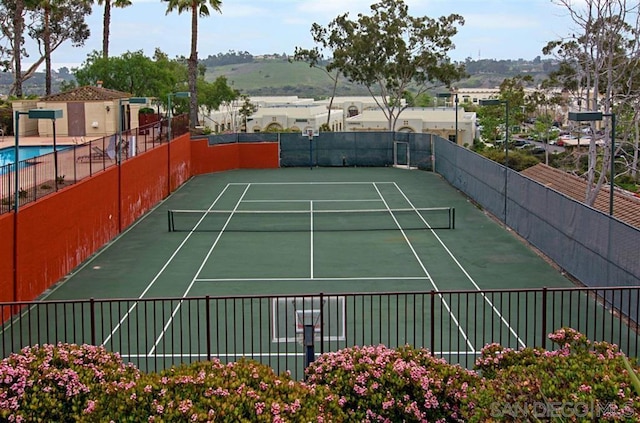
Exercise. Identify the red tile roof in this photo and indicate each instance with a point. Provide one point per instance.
(626, 206)
(87, 93)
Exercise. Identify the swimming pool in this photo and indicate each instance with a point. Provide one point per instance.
(8, 154)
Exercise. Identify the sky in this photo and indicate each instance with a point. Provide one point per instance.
(493, 29)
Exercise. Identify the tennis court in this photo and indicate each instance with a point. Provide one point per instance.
(239, 263)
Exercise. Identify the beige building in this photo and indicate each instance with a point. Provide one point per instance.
(87, 112)
(344, 114)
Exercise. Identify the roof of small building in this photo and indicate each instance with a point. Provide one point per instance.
(87, 93)
(626, 206)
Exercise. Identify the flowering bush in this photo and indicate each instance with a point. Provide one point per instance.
(580, 381)
(213, 391)
(55, 382)
(404, 385)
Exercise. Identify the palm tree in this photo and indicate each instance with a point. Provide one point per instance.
(198, 8)
(106, 21)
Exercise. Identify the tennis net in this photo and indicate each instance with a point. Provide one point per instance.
(310, 220)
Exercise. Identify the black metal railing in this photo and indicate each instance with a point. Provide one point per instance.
(43, 175)
(159, 332)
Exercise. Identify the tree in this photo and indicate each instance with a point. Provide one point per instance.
(315, 59)
(512, 89)
(215, 94)
(600, 64)
(197, 8)
(246, 110)
(133, 73)
(391, 52)
(13, 27)
(106, 21)
(53, 23)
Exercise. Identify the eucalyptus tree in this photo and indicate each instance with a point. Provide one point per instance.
(197, 8)
(600, 63)
(391, 52)
(52, 23)
(12, 19)
(316, 59)
(106, 20)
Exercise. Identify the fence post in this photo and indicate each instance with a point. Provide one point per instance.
(432, 341)
(207, 325)
(92, 320)
(544, 316)
(322, 323)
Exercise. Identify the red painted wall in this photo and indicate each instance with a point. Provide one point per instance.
(60, 231)
(6, 257)
(217, 158)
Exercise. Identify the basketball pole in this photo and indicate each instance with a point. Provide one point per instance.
(310, 150)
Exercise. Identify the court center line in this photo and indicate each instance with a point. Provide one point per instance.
(204, 261)
(424, 269)
(161, 271)
(464, 271)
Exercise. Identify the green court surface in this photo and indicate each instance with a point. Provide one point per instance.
(290, 256)
(354, 254)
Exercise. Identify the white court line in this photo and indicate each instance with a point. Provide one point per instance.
(362, 278)
(311, 236)
(262, 354)
(506, 323)
(376, 200)
(424, 269)
(204, 261)
(160, 272)
(313, 183)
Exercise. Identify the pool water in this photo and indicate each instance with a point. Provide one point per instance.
(8, 154)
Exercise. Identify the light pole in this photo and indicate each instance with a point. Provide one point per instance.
(120, 144)
(495, 102)
(597, 116)
(32, 114)
(453, 94)
(180, 94)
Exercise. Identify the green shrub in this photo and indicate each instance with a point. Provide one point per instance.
(213, 391)
(580, 381)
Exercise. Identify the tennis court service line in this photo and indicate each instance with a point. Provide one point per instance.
(424, 269)
(204, 261)
(250, 354)
(464, 271)
(311, 279)
(160, 272)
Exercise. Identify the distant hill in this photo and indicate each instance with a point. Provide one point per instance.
(275, 75)
(265, 77)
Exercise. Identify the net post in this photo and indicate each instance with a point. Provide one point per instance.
(170, 220)
(452, 212)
